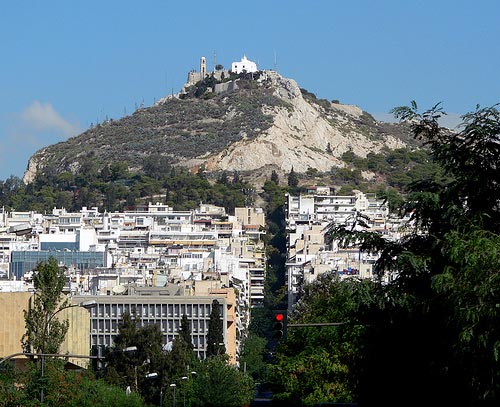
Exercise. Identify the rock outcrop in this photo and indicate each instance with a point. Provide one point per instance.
(268, 122)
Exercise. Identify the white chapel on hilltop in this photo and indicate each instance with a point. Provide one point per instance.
(245, 65)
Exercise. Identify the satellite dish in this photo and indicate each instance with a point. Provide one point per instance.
(119, 289)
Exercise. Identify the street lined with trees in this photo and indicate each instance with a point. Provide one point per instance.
(431, 335)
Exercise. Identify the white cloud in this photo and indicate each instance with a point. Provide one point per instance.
(42, 116)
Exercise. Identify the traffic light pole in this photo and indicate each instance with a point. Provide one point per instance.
(316, 324)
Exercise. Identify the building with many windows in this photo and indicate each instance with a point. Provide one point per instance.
(309, 254)
(155, 262)
(165, 307)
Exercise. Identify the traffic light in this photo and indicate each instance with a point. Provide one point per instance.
(279, 325)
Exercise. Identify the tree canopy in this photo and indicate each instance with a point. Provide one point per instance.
(429, 328)
(44, 332)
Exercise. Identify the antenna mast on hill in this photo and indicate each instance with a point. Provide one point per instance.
(215, 60)
(275, 63)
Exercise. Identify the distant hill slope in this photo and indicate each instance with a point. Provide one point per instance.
(263, 122)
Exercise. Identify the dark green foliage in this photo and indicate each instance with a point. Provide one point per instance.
(64, 388)
(175, 186)
(129, 368)
(275, 178)
(293, 179)
(218, 384)
(253, 357)
(434, 332)
(318, 364)
(215, 335)
(182, 354)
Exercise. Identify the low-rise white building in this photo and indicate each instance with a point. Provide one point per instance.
(245, 65)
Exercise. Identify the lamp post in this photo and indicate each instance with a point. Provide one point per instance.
(218, 347)
(173, 385)
(184, 378)
(154, 375)
(46, 331)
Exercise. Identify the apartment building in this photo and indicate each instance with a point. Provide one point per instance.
(153, 260)
(309, 215)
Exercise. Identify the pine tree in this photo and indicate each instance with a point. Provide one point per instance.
(215, 335)
(293, 179)
(182, 354)
(275, 178)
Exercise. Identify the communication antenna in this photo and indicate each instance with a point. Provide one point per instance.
(215, 60)
(275, 62)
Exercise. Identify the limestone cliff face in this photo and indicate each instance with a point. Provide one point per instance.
(307, 136)
(268, 122)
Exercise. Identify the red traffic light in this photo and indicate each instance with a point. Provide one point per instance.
(279, 317)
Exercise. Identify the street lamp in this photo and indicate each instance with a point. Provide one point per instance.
(154, 375)
(46, 331)
(184, 378)
(174, 386)
(84, 304)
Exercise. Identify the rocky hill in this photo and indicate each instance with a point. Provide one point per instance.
(257, 123)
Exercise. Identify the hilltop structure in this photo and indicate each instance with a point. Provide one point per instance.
(245, 65)
(254, 122)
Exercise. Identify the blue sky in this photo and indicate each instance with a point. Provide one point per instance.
(67, 64)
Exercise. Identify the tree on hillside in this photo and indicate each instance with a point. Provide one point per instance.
(44, 332)
(274, 177)
(293, 179)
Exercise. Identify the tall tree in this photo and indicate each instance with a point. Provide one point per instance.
(215, 335)
(125, 367)
(434, 333)
(293, 179)
(274, 177)
(44, 332)
(182, 354)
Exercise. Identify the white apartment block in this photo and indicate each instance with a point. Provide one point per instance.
(109, 255)
(309, 215)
